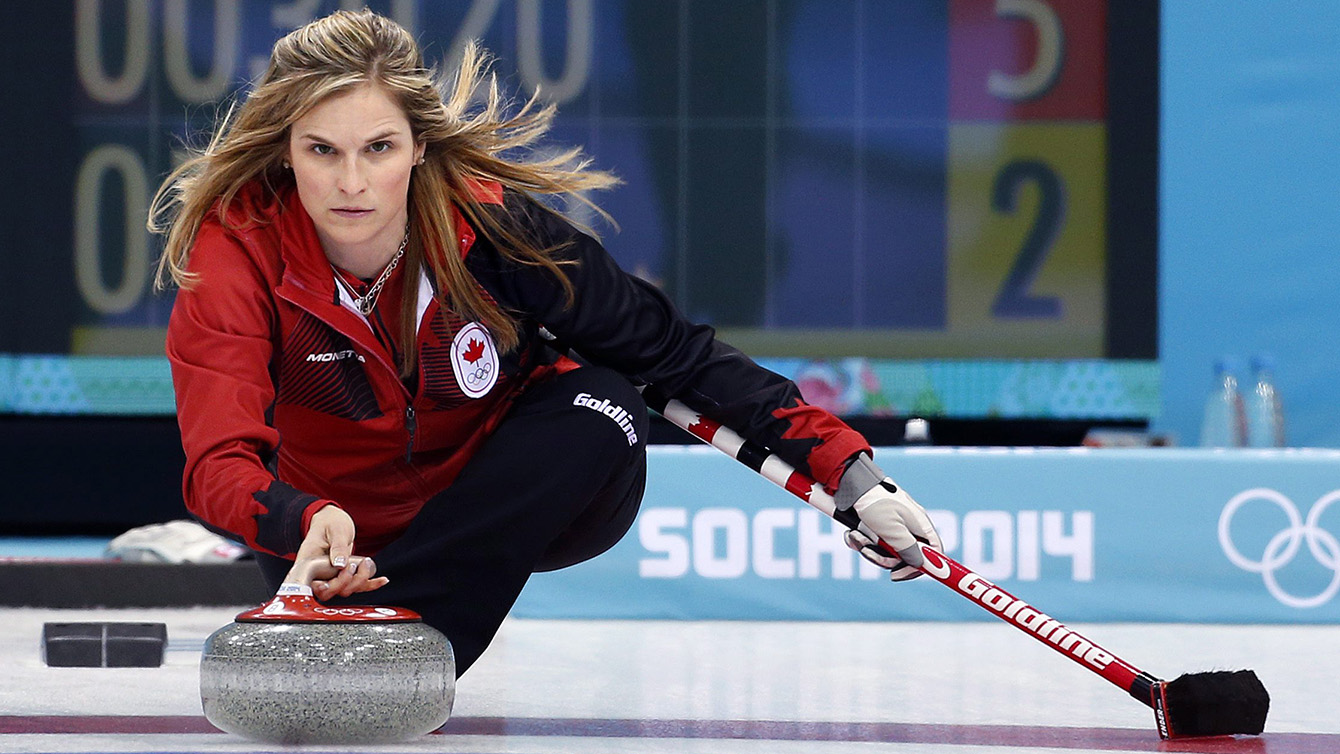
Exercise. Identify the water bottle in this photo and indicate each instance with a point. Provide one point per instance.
(1265, 417)
(1224, 424)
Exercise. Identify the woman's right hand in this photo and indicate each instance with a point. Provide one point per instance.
(325, 558)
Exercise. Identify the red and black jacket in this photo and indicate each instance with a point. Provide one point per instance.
(287, 401)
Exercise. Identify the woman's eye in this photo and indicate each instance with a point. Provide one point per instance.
(379, 146)
(322, 148)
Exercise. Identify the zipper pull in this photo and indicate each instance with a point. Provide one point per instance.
(411, 423)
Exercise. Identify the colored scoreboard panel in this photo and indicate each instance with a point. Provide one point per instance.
(1026, 207)
(947, 179)
(992, 194)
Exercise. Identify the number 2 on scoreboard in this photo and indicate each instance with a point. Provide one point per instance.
(1014, 299)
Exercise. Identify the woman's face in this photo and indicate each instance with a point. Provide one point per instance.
(352, 156)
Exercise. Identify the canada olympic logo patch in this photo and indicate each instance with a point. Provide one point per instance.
(474, 358)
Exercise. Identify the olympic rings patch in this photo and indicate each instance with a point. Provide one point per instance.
(474, 359)
(347, 612)
(1285, 545)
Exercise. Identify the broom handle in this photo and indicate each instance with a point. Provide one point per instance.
(938, 566)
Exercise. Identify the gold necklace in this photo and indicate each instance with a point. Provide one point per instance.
(368, 302)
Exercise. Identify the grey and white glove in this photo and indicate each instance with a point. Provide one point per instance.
(887, 513)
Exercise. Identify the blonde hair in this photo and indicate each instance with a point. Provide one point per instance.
(464, 144)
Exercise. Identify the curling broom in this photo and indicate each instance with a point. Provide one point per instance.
(1214, 703)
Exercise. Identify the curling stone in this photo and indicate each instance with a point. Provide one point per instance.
(294, 671)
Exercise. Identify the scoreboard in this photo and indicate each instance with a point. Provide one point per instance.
(819, 179)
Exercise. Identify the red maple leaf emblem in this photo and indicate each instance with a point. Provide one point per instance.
(703, 428)
(473, 352)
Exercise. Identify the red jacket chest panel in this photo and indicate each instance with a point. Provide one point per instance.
(330, 382)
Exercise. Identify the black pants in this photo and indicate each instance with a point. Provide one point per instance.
(556, 484)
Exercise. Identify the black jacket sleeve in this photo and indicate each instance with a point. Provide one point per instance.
(625, 323)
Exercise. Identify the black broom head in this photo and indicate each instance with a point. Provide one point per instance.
(1218, 703)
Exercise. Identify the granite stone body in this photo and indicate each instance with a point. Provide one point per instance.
(333, 683)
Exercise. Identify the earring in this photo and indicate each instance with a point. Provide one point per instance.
(422, 160)
(286, 165)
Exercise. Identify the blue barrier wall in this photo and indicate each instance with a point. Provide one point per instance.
(1085, 535)
(1249, 206)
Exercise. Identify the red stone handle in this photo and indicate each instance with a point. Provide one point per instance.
(294, 603)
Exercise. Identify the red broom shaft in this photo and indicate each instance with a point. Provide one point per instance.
(939, 566)
(1027, 618)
